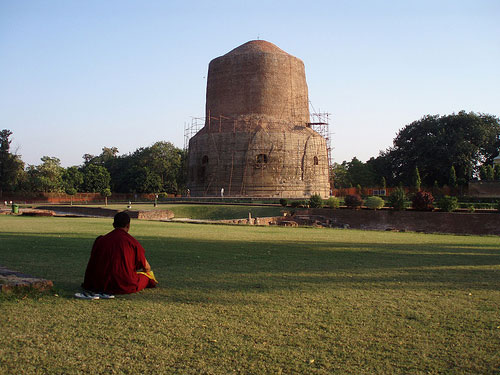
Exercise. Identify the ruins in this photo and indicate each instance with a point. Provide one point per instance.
(257, 139)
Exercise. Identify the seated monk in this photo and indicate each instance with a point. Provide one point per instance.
(117, 264)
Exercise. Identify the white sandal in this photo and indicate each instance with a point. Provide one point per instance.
(86, 295)
(104, 296)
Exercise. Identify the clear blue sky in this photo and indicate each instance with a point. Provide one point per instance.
(79, 75)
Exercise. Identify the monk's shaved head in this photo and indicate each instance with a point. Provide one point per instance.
(121, 220)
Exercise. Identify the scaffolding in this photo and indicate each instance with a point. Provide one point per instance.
(237, 175)
(190, 129)
(320, 123)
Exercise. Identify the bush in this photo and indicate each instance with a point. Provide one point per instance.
(374, 203)
(284, 202)
(353, 201)
(71, 191)
(333, 202)
(422, 201)
(448, 204)
(315, 201)
(397, 199)
(297, 204)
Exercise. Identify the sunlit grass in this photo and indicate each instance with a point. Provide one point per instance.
(203, 211)
(256, 300)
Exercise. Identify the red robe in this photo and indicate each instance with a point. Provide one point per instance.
(113, 265)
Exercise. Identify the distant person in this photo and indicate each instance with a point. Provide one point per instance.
(117, 264)
(222, 192)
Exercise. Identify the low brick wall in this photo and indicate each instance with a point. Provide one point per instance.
(416, 221)
(54, 198)
(484, 189)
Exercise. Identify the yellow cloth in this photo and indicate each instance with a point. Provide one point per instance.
(149, 274)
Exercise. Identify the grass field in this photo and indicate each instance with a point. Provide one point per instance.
(204, 211)
(256, 300)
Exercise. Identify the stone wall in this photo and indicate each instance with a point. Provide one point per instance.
(432, 222)
(153, 215)
(484, 189)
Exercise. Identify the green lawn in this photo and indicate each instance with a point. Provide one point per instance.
(220, 212)
(204, 211)
(256, 300)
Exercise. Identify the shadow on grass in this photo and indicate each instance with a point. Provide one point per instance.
(193, 266)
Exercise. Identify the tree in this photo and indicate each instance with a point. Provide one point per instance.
(158, 168)
(381, 167)
(340, 175)
(483, 174)
(416, 179)
(4, 140)
(87, 159)
(465, 140)
(71, 191)
(46, 177)
(96, 178)
(452, 180)
(72, 178)
(50, 174)
(108, 153)
(105, 159)
(360, 173)
(497, 172)
(436, 190)
(490, 174)
(164, 160)
(11, 165)
(106, 193)
(143, 180)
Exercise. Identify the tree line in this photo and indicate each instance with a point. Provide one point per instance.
(433, 151)
(154, 169)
